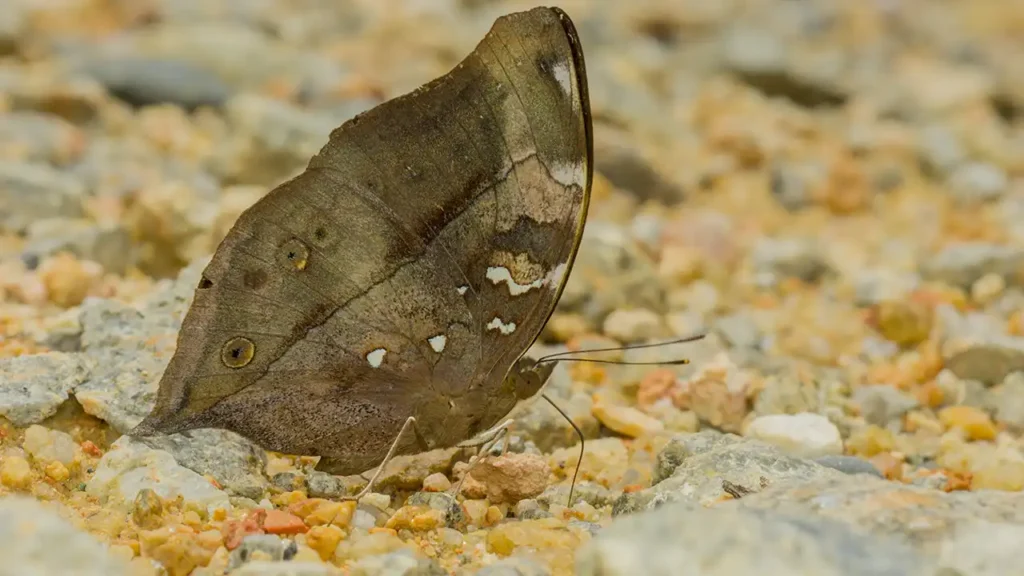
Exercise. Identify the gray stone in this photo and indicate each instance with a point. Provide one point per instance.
(131, 466)
(684, 446)
(784, 394)
(927, 519)
(977, 182)
(686, 538)
(129, 347)
(759, 56)
(791, 184)
(529, 509)
(754, 51)
(739, 330)
(988, 361)
(268, 544)
(241, 56)
(234, 462)
(30, 192)
(594, 494)
(848, 464)
(626, 168)
(940, 150)
(789, 257)
(982, 548)
(32, 387)
(149, 81)
(324, 485)
(1008, 401)
(129, 353)
(706, 460)
(399, 563)
(882, 404)
(963, 263)
(42, 138)
(288, 481)
(443, 501)
(36, 541)
(109, 245)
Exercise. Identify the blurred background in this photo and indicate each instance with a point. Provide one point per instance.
(832, 190)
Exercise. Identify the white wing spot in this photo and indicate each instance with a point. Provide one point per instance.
(499, 274)
(497, 324)
(376, 357)
(462, 290)
(561, 74)
(438, 342)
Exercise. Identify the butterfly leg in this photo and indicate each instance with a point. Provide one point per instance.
(487, 436)
(410, 421)
(489, 439)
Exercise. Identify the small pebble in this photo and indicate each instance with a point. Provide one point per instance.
(281, 522)
(475, 511)
(975, 423)
(512, 477)
(377, 500)
(15, 473)
(436, 482)
(57, 471)
(633, 325)
(626, 420)
(324, 540)
(803, 435)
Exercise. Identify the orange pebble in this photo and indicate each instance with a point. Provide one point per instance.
(281, 522)
(234, 531)
(91, 449)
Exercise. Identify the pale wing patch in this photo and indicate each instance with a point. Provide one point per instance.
(562, 75)
(376, 357)
(555, 278)
(437, 342)
(499, 325)
(567, 173)
(499, 274)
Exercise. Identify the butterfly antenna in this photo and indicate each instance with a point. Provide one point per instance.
(579, 462)
(566, 356)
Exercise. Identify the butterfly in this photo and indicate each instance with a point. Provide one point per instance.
(381, 302)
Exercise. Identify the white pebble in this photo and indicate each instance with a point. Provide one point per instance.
(47, 445)
(804, 435)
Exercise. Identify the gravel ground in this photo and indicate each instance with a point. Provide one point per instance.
(832, 190)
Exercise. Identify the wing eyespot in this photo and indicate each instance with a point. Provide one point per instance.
(294, 254)
(237, 352)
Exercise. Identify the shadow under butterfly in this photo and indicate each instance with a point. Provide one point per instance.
(380, 303)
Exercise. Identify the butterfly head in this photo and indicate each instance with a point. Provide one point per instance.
(528, 376)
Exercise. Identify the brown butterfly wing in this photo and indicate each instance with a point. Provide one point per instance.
(385, 280)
